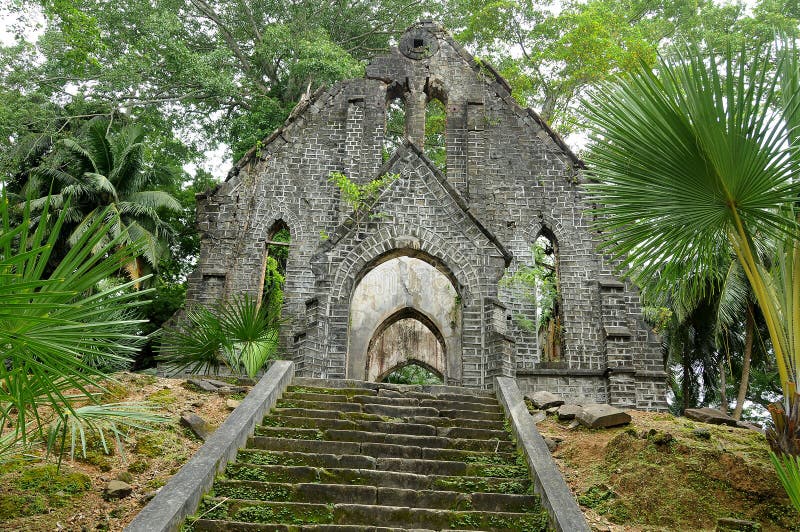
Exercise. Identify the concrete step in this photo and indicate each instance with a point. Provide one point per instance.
(458, 482)
(434, 389)
(209, 525)
(377, 450)
(295, 388)
(370, 515)
(472, 414)
(456, 422)
(373, 495)
(393, 411)
(325, 413)
(441, 405)
(434, 420)
(347, 424)
(455, 403)
(438, 442)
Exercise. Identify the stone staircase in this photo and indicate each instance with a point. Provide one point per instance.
(375, 457)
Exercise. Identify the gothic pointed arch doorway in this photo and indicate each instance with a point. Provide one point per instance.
(404, 309)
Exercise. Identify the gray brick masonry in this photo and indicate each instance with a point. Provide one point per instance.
(509, 179)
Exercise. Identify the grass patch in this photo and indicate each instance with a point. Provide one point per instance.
(163, 397)
(27, 490)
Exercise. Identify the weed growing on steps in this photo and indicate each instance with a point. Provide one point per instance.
(317, 514)
(257, 457)
(271, 492)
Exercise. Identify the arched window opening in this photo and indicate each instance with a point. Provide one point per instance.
(275, 260)
(395, 126)
(549, 321)
(414, 372)
(531, 291)
(435, 136)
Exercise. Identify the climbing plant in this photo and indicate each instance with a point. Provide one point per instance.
(362, 197)
(537, 283)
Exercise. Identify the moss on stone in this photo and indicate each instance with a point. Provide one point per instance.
(265, 492)
(297, 515)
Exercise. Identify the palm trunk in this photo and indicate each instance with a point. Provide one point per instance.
(749, 333)
(686, 384)
(723, 394)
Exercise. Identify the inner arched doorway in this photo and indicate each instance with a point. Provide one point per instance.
(404, 310)
(407, 336)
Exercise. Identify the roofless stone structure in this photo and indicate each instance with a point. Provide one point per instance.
(418, 279)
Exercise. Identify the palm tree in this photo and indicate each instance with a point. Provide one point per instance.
(690, 158)
(106, 174)
(696, 153)
(55, 327)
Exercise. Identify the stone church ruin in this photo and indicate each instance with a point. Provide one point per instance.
(427, 275)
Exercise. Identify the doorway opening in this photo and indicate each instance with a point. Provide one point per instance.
(404, 310)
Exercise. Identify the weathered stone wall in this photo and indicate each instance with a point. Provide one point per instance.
(509, 178)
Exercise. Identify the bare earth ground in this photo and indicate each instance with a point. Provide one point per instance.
(64, 501)
(655, 474)
(658, 473)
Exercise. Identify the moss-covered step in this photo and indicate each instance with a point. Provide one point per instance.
(374, 515)
(372, 495)
(382, 478)
(347, 424)
(263, 457)
(331, 391)
(437, 442)
(437, 421)
(377, 450)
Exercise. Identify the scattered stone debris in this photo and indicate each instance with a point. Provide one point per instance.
(709, 415)
(229, 390)
(728, 524)
(598, 415)
(125, 476)
(702, 434)
(544, 400)
(750, 426)
(196, 424)
(242, 386)
(203, 385)
(551, 444)
(218, 384)
(538, 416)
(117, 489)
(567, 412)
(232, 404)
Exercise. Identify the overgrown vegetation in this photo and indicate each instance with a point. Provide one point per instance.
(723, 132)
(62, 323)
(536, 282)
(362, 197)
(240, 335)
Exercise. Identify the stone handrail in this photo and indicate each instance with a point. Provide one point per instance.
(181, 496)
(565, 516)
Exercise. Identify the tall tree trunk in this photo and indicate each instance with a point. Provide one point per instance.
(686, 384)
(723, 393)
(749, 333)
